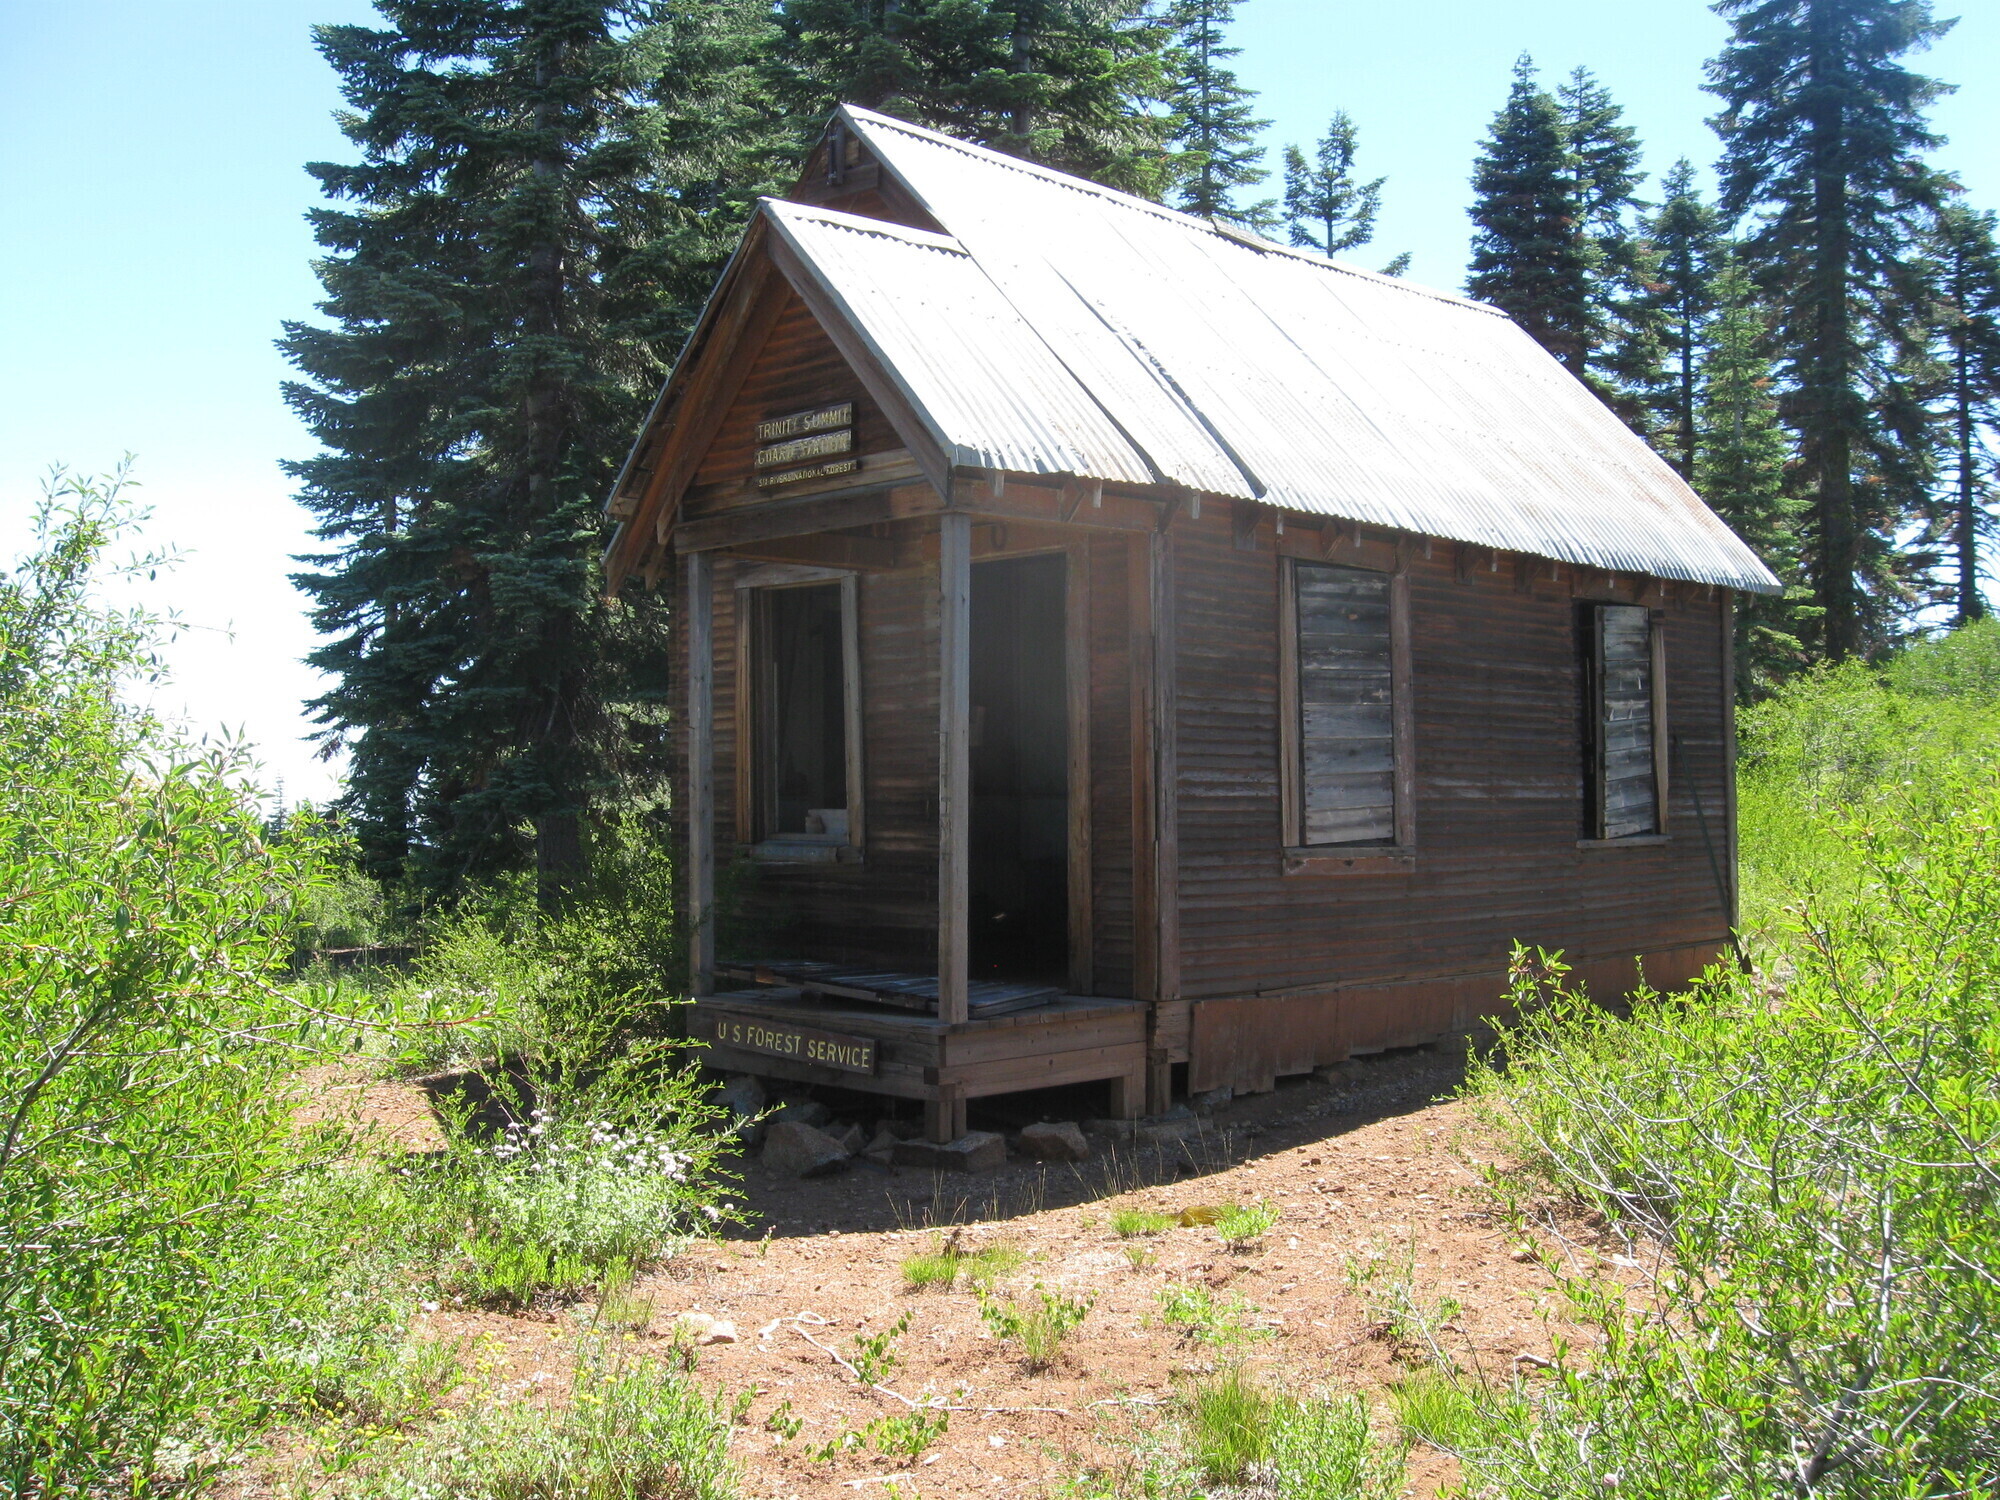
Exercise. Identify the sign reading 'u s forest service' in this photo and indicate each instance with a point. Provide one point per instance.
(804, 435)
(825, 1049)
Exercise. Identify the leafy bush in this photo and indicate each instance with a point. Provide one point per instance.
(143, 924)
(1321, 1448)
(1821, 1157)
(1038, 1323)
(1195, 1313)
(1242, 1225)
(567, 989)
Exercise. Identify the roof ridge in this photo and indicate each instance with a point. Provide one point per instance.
(856, 114)
(783, 208)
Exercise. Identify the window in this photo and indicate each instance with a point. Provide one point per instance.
(803, 781)
(1347, 711)
(1624, 738)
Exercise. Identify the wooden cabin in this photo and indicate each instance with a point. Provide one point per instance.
(1119, 648)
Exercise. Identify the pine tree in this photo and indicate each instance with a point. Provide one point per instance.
(1215, 130)
(509, 267)
(1529, 256)
(1742, 453)
(1325, 208)
(1823, 142)
(1624, 308)
(1073, 84)
(1683, 237)
(1965, 263)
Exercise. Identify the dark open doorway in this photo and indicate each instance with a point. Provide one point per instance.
(1019, 870)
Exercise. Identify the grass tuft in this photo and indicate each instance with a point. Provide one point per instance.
(626, 1433)
(1434, 1407)
(1229, 1424)
(940, 1266)
(1129, 1223)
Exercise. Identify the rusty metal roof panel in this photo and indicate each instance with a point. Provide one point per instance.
(1247, 369)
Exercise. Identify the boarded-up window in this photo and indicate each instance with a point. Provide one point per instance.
(1622, 720)
(1346, 765)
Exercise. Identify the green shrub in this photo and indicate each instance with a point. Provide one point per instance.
(1039, 1323)
(144, 925)
(1321, 1449)
(1822, 1159)
(1195, 1313)
(908, 1436)
(1242, 1225)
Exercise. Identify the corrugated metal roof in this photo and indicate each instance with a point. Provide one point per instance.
(979, 376)
(1068, 328)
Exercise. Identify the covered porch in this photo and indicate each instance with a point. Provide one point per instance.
(966, 1026)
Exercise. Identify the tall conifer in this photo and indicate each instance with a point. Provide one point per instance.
(1824, 141)
(1966, 266)
(1742, 453)
(508, 268)
(1215, 138)
(1529, 257)
(1073, 84)
(1326, 209)
(1683, 236)
(1625, 319)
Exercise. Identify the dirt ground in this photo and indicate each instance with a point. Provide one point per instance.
(1370, 1166)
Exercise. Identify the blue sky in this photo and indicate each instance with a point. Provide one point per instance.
(151, 158)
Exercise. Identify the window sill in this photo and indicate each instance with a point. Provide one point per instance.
(803, 850)
(1331, 859)
(1630, 841)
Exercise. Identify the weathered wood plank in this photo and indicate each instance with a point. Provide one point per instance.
(699, 605)
(954, 761)
(1076, 679)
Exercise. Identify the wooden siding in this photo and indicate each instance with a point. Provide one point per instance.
(1343, 962)
(798, 368)
(1111, 762)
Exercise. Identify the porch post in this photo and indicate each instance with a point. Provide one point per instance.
(954, 758)
(700, 625)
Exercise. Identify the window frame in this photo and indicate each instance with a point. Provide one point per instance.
(1590, 655)
(752, 817)
(1299, 857)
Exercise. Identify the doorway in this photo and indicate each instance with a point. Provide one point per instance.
(1018, 871)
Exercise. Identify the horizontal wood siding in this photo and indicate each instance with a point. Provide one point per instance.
(1499, 792)
(797, 369)
(1110, 764)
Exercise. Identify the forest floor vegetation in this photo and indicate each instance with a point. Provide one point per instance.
(470, 1224)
